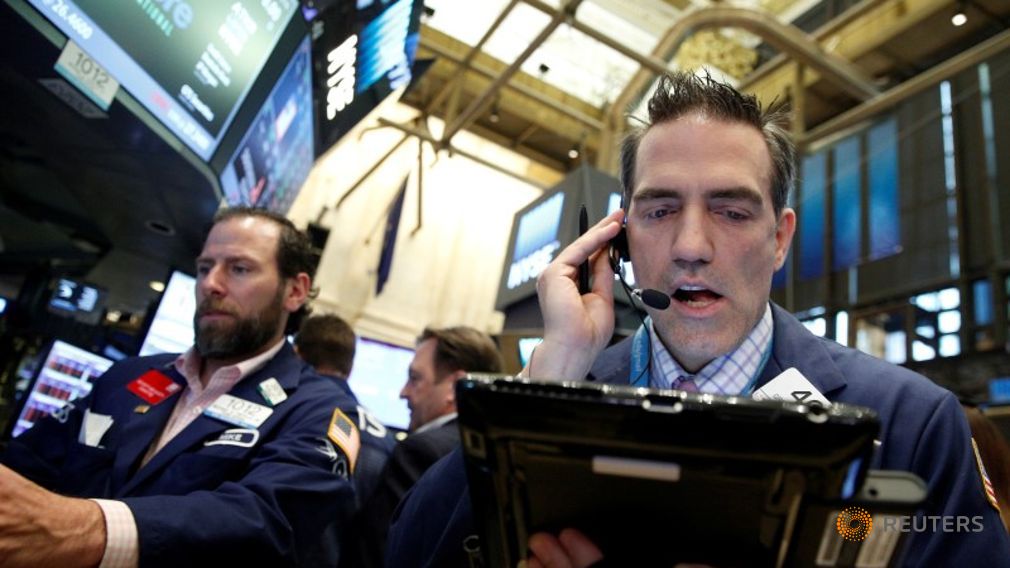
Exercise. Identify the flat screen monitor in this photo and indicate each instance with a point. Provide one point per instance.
(999, 390)
(78, 300)
(378, 375)
(66, 374)
(277, 152)
(189, 63)
(171, 329)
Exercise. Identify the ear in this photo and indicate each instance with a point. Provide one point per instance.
(297, 292)
(784, 230)
(450, 395)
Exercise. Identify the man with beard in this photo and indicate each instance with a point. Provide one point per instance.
(235, 452)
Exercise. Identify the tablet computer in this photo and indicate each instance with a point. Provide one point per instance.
(655, 477)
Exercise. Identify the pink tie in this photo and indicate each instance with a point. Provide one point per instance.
(686, 384)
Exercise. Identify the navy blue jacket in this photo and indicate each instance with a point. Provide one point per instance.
(262, 500)
(341, 541)
(411, 458)
(923, 430)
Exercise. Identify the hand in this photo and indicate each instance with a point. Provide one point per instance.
(41, 528)
(571, 549)
(576, 327)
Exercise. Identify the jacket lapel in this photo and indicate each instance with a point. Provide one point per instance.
(794, 346)
(285, 367)
(141, 429)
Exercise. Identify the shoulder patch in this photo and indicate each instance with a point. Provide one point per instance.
(990, 493)
(344, 433)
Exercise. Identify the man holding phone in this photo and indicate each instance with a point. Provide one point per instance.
(706, 182)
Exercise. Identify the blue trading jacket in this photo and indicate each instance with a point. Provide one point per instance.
(923, 430)
(257, 499)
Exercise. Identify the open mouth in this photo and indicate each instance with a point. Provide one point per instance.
(696, 296)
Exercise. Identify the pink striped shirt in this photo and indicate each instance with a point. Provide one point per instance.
(122, 545)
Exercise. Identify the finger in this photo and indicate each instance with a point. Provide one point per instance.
(603, 275)
(582, 551)
(547, 551)
(593, 240)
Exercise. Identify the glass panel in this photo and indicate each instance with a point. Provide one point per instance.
(894, 347)
(817, 326)
(882, 335)
(884, 214)
(929, 302)
(950, 345)
(842, 328)
(811, 216)
(982, 291)
(950, 298)
(922, 352)
(847, 208)
(950, 322)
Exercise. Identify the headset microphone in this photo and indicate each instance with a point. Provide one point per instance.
(648, 296)
(652, 298)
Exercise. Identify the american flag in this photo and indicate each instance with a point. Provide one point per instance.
(990, 493)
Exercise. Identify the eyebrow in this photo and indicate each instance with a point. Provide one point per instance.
(235, 258)
(727, 194)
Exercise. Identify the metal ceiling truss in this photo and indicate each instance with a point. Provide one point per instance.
(792, 42)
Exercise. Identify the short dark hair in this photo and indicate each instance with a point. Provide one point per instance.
(294, 253)
(327, 342)
(680, 93)
(463, 348)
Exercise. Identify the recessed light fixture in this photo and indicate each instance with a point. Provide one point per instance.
(959, 18)
(157, 286)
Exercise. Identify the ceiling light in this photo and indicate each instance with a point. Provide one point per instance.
(959, 18)
(574, 152)
(157, 286)
(495, 116)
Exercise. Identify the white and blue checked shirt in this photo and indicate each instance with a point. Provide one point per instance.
(725, 375)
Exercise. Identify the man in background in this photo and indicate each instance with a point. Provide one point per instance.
(327, 343)
(232, 453)
(443, 356)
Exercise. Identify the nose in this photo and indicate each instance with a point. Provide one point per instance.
(403, 391)
(212, 283)
(692, 243)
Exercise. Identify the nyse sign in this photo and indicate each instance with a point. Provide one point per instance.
(340, 76)
(531, 265)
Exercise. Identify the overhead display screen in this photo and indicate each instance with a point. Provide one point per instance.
(189, 63)
(363, 53)
(76, 299)
(277, 152)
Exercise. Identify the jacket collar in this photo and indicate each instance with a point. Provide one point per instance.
(794, 346)
(140, 432)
